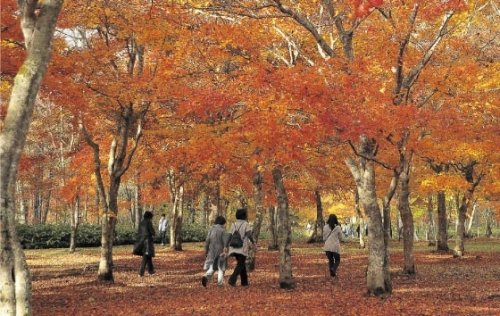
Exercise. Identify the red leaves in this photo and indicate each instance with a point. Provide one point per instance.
(362, 7)
(65, 284)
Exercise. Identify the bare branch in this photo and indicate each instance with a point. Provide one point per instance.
(386, 166)
(417, 69)
(399, 63)
(307, 24)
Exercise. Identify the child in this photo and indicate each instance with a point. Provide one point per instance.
(332, 235)
(216, 257)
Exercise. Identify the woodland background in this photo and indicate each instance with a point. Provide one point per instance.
(382, 112)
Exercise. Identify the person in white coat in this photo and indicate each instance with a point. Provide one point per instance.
(162, 228)
(332, 235)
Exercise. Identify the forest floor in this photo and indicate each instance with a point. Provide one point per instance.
(65, 284)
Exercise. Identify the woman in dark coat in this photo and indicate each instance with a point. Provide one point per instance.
(145, 236)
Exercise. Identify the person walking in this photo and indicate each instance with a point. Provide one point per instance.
(239, 250)
(145, 240)
(215, 255)
(332, 235)
(162, 229)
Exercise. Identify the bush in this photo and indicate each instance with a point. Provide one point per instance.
(194, 232)
(89, 235)
(125, 235)
(44, 236)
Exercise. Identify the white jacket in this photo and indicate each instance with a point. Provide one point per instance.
(162, 226)
(332, 238)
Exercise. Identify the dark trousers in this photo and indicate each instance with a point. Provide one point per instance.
(146, 261)
(241, 269)
(163, 235)
(333, 262)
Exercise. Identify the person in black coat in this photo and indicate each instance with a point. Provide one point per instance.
(145, 238)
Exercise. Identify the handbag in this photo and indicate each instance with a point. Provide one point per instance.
(138, 249)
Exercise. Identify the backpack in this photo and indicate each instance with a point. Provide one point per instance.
(236, 241)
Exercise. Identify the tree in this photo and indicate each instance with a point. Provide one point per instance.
(121, 83)
(38, 22)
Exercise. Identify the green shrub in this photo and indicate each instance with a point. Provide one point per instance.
(44, 236)
(194, 232)
(89, 235)
(125, 235)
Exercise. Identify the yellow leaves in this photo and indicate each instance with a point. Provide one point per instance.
(490, 79)
(446, 182)
(5, 86)
(8, 44)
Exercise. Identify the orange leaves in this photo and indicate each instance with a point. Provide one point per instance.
(363, 7)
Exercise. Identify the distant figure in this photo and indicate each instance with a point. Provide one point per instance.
(216, 256)
(146, 234)
(240, 253)
(332, 235)
(162, 228)
(309, 227)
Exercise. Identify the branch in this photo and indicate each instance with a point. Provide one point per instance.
(97, 161)
(137, 138)
(381, 163)
(417, 69)
(427, 98)
(308, 25)
(399, 63)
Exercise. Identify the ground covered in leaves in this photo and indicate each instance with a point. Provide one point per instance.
(65, 284)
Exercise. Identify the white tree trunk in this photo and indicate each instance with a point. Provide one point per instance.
(38, 30)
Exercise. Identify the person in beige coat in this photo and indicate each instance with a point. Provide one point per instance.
(332, 235)
(215, 256)
(241, 253)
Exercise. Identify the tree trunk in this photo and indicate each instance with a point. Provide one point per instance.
(98, 197)
(45, 207)
(431, 231)
(85, 208)
(317, 235)
(468, 232)
(38, 31)
(131, 207)
(459, 241)
(105, 272)
(488, 231)
(273, 237)
(176, 225)
(378, 276)
(74, 224)
(387, 214)
(464, 205)
(37, 207)
(407, 217)
(137, 205)
(442, 237)
(178, 220)
(259, 214)
(206, 210)
(23, 205)
(284, 233)
(361, 220)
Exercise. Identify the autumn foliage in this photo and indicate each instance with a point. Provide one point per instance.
(154, 105)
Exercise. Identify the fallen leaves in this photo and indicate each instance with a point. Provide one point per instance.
(443, 285)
